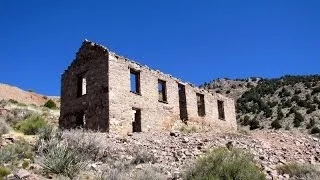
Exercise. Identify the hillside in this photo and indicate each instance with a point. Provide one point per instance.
(286, 102)
(156, 155)
(8, 92)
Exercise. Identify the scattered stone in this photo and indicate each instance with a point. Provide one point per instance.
(22, 174)
(229, 145)
(174, 133)
(185, 140)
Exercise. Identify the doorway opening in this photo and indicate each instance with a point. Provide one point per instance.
(182, 103)
(80, 119)
(136, 120)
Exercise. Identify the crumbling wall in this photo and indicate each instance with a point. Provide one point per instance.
(92, 63)
(157, 115)
(109, 104)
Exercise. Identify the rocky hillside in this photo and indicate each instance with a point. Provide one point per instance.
(286, 102)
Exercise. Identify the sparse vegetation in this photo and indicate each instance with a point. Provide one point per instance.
(143, 157)
(268, 99)
(31, 125)
(224, 164)
(188, 129)
(14, 152)
(4, 127)
(300, 171)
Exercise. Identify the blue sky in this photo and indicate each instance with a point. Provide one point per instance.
(196, 41)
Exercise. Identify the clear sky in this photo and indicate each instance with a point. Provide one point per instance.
(196, 41)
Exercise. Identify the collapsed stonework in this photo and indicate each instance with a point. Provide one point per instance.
(104, 91)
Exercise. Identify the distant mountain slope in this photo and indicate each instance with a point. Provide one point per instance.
(286, 102)
(8, 92)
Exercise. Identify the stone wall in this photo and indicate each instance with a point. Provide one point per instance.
(92, 63)
(157, 115)
(109, 104)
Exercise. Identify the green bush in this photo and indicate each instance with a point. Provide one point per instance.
(4, 172)
(31, 125)
(315, 130)
(224, 164)
(276, 124)
(50, 104)
(254, 124)
(299, 171)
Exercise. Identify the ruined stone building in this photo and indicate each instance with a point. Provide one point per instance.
(103, 91)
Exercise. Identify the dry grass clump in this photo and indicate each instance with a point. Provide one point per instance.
(4, 127)
(67, 152)
(147, 173)
(143, 157)
(300, 171)
(15, 152)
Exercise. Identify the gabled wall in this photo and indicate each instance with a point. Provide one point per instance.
(91, 62)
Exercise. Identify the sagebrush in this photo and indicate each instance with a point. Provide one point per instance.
(222, 163)
(31, 125)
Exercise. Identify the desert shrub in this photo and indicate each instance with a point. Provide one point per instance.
(287, 128)
(276, 124)
(315, 130)
(188, 129)
(311, 123)
(246, 120)
(299, 171)
(4, 172)
(15, 152)
(50, 104)
(143, 157)
(254, 124)
(13, 101)
(31, 125)
(302, 103)
(315, 90)
(224, 164)
(295, 98)
(47, 132)
(287, 104)
(149, 173)
(298, 118)
(297, 91)
(280, 114)
(84, 142)
(63, 160)
(4, 127)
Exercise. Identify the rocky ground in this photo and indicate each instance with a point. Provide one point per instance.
(172, 152)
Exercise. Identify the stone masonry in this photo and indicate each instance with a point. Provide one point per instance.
(104, 91)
